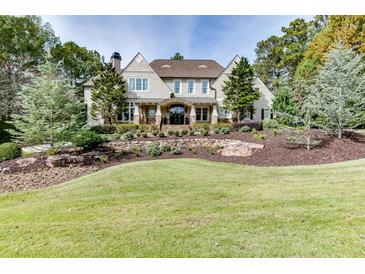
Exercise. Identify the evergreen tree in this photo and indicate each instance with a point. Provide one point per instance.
(50, 109)
(284, 103)
(340, 91)
(177, 56)
(240, 94)
(108, 95)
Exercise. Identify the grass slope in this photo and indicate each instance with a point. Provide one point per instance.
(192, 208)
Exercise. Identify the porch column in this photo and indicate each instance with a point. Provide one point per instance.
(214, 115)
(158, 115)
(136, 114)
(192, 115)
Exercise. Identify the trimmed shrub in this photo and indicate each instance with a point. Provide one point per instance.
(184, 132)
(270, 124)
(151, 127)
(171, 132)
(176, 151)
(9, 151)
(216, 131)
(104, 129)
(53, 151)
(87, 139)
(161, 134)
(201, 126)
(251, 124)
(222, 125)
(165, 148)
(153, 150)
(258, 136)
(205, 132)
(128, 136)
(155, 132)
(123, 128)
(191, 132)
(177, 133)
(211, 150)
(276, 132)
(225, 130)
(245, 129)
(144, 135)
(136, 150)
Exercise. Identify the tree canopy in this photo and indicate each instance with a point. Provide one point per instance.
(79, 63)
(177, 56)
(349, 30)
(339, 89)
(278, 57)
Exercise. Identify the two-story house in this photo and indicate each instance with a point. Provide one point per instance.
(178, 92)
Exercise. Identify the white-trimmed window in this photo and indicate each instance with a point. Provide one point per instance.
(191, 86)
(202, 114)
(177, 86)
(127, 116)
(265, 114)
(204, 86)
(138, 84)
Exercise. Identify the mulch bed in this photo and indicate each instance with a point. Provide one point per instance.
(275, 153)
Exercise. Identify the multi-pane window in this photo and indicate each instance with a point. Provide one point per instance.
(266, 114)
(202, 114)
(205, 86)
(127, 116)
(191, 86)
(138, 84)
(177, 86)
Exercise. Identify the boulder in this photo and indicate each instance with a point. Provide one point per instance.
(24, 162)
(241, 150)
(63, 160)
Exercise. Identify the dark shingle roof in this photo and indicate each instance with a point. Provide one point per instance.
(186, 68)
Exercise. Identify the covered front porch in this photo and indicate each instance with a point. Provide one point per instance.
(175, 111)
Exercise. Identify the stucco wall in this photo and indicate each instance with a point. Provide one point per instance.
(139, 67)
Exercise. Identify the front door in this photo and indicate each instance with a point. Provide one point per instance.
(177, 113)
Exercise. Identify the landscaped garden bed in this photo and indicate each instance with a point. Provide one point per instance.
(40, 170)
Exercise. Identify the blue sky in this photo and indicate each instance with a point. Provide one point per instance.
(158, 37)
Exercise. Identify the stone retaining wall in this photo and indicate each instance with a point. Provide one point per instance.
(181, 142)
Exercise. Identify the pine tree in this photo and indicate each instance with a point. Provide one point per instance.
(340, 90)
(108, 95)
(240, 94)
(284, 103)
(50, 110)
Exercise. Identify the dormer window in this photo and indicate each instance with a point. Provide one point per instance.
(202, 66)
(166, 66)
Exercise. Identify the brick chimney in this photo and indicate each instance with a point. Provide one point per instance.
(116, 61)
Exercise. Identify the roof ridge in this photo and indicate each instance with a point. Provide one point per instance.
(185, 60)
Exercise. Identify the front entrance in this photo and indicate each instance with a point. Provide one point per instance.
(177, 114)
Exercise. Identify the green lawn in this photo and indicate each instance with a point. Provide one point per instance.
(192, 208)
